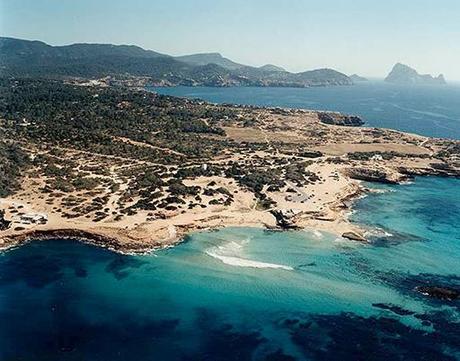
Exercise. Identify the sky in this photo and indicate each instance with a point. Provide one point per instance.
(355, 36)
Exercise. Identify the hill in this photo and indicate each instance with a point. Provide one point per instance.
(209, 58)
(271, 67)
(36, 58)
(357, 78)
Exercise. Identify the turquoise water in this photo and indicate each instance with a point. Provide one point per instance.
(248, 294)
(427, 110)
(252, 294)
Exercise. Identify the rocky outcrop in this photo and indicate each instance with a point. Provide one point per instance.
(354, 236)
(332, 118)
(401, 174)
(372, 175)
(403, 74)
(438, 169)
(97, 239)
(311, 154)
(440, 293)
(285, 219)
(4, 224)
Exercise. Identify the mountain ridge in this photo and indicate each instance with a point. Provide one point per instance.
(209, 58)
(36, 58)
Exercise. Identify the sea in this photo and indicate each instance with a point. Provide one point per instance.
(431, 110)
(255, 294)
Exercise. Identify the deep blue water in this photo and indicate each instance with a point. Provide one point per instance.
(427, 110)
(329, 299)
(251, 294)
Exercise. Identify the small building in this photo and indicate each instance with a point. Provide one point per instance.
(34, 218)
(377, 157)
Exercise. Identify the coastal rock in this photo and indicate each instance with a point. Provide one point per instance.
(285, 219)
(440, 170)
(4, 224)
(440, 293)
(109, 242)
(332, 118)
(372, 175)
(354, 236)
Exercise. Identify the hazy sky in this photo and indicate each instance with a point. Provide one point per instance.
(362, 36)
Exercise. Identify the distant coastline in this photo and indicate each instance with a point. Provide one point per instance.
(130, 65)
(429, 110)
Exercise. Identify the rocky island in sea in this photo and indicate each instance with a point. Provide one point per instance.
(358, 78)
(133, 170)
(403, 74)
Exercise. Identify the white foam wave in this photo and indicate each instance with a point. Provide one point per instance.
(241, 262)
(378, 232)
(317, 234)
(381, 191)
(230, 253)
(341, 240)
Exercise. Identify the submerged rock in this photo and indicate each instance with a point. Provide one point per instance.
(393, 308)
(440, 293)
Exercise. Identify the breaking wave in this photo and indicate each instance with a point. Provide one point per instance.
(229, 254)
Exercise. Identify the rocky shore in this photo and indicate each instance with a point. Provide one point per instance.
(111, 243)
(333, 118)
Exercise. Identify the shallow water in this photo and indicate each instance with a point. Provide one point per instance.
(428, 110)
(247, 294)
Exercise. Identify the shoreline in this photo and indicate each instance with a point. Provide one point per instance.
(111, 239)
(114, 244)
(343, 206)
(335, 221)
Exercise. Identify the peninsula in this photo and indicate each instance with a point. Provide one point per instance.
(133, 170)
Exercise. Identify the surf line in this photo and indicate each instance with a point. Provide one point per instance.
(241, 262)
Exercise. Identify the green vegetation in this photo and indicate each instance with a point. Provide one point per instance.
(112, 121)
(382, 155)
(92, 142)
(13, 160)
